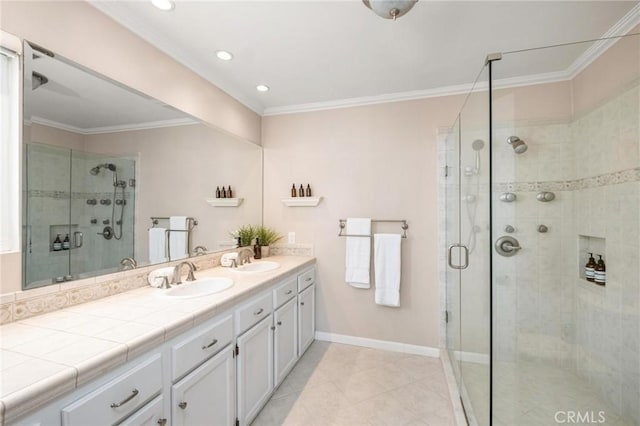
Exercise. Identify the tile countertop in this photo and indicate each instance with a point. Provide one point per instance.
(44, 357)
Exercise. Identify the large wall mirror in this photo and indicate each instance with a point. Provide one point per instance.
(111, 174)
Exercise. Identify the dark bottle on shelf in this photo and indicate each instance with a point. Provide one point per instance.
(301, 191)
(57, 243)
(600, 274)
(66, 244)
(308, 193)
(294, 193)
(223, 193)
(229, 192)
(257, 250)
(589, 268)
(217, 192)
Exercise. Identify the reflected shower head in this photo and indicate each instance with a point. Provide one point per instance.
(518, 145)
(94, 171)
(477, 145)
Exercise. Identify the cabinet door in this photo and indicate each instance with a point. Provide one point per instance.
(149, 415)
(206, 396)
(306, 318)
(286, 339)
(255, 369)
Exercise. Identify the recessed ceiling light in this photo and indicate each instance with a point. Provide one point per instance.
(163, 4)
(224, 55)
(262, 88)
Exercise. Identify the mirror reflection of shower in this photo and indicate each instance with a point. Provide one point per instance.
(471, 198)
(115, 202)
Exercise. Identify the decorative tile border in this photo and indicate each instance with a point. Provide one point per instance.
(607, 179)
(64, 195)
(29, 303)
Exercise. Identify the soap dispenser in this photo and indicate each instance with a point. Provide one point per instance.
(600, 273)
(589, 268)
(57, 243)
(66, 244)
(257, 250)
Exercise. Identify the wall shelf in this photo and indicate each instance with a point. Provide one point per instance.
(224, 202)
(302, 201)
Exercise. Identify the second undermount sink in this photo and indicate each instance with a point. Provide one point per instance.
(197, 288)
(263, 266)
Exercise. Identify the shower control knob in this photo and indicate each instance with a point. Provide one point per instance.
(94, 221)
(545, 196)
(509, 229)
(107, 233)
(508, 197)
(543, 228)
(507, 246)
(105, 222)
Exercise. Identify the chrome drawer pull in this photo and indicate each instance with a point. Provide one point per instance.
(210, 344)
(288, 292)
(258, 312)
(182, 405)
(124, 401)
(308, 279)
(301, 303)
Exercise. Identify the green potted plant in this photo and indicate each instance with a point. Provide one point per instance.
(246, 234)
(266, 236)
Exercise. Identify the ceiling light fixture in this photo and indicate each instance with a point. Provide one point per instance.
(165, 5)
(390, 9)
(262, 88)
(224, 55)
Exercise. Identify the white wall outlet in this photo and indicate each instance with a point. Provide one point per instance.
(292, 237)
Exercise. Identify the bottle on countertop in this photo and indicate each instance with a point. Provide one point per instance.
(57, 243)
(218, 192)
(600, 271)
(301, 191)
(223, 193)
(66, 244)
(589, 268)
(294, 193)
(239, 242)
(308, 193)
(257, 250)
(229, 192)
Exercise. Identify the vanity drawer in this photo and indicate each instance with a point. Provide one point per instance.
(191, 352)
(284, 292)
(306, 278)
(118, 398)
(253, 312)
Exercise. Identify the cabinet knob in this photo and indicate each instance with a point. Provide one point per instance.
(182, 405)
(301, 303)
(279, 322)
(288, 292)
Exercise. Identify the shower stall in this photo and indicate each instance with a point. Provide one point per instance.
(78, 213)
(543, 170)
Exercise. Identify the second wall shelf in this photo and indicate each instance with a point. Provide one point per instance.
(224, 202)
(302, 201)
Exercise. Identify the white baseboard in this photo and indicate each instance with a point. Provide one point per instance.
(378, 344)
(472, 357)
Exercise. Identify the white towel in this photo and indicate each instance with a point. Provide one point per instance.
(358, 253)
(386, 262)
(157, 244)
(178, 240)
(155, 277)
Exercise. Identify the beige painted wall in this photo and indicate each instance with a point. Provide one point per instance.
(375, 161)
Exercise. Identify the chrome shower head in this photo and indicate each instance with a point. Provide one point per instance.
(518, 145)
(94, 171)
(477, 145)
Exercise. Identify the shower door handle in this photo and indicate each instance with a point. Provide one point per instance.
(466, 256)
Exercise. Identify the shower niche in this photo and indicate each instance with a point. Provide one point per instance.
(58, 183)
(590, 244)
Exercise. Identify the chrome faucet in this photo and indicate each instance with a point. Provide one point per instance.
(200, 250)
(128, 263)
(244, 256)
(177, 279)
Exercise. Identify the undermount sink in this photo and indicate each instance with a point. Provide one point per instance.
(197, 288)
(263, 266)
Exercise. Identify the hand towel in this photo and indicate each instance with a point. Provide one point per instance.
(157, 244)
(178, 240)
(154, 277)
(386, 263)
(358, 253)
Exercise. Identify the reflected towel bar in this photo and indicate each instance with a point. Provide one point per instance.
(404, 226)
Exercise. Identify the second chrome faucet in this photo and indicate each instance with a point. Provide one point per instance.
(177, 277)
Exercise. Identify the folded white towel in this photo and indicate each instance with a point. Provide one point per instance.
(157, 244)
(386, 262)
(154, 277)
(228, 258)
(178, 240)
(358, 252)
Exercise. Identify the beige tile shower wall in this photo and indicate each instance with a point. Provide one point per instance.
(178, 168)
(375, 161)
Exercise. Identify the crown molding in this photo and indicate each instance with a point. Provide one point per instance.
(113, 129)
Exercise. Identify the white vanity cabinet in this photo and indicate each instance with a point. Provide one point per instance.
(206, 396)
(306, 310)
(285, 339)
(151, 414)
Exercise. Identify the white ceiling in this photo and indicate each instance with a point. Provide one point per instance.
(323, 52)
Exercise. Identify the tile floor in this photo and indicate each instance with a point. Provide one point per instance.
(336, 384)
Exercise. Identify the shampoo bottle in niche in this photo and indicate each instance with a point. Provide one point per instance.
(57, 243)
(257, 250)
(66, 244)
(294, 193)
(600, 273)
(589, 268)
